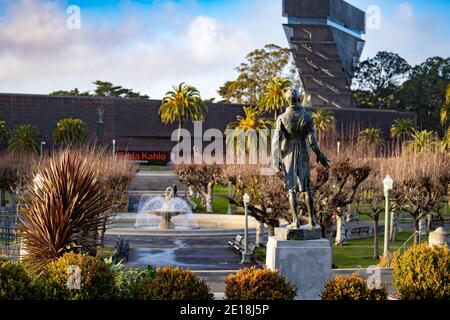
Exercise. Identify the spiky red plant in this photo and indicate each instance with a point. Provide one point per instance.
(64, 208)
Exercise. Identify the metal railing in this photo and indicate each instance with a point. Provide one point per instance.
(9, 238)
(403, 247)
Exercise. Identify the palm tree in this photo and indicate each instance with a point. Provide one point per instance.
(370, 139)
(274, 98)
(402, 129)
(252, 120)
(70, 132)
(445, 143)
(5, 133)
(424, 140)
(182, 103)
(24, 140)
(445, 111)
(323, 121)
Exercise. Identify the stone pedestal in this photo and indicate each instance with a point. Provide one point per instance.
(439, 237)
(305, 232)
(305, 263)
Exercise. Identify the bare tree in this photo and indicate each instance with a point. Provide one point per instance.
(202, 178)
(269, 202)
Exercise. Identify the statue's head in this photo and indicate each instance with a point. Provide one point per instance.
(294, 96)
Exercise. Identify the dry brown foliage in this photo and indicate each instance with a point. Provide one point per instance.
(68, 202)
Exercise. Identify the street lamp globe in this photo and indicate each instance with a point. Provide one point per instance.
(246, 199)
(388, 183)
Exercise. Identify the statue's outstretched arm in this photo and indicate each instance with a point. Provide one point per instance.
(321, 158)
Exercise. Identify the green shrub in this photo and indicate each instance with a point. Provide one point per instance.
(352, 288)
(126, 281)
(258, 284)
(15, 284)
(171, 283)
(97, 279)
(423, 272)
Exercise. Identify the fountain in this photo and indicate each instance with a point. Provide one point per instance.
(165, 212)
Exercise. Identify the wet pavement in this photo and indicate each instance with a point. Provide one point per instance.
(194, 253)
(210, 257)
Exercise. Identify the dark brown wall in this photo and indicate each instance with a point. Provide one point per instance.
(135, 124)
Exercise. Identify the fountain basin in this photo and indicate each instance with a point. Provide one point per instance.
(123, 224)
(166, 223)
(157, 212)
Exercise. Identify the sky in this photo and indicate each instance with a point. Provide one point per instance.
(151, 45)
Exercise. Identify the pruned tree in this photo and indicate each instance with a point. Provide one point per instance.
(370, 202)
(269, 203)
(202, 179)
(421, 182)
(9, 176)
(335, 188)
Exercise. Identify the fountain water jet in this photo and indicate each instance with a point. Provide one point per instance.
(165, 212)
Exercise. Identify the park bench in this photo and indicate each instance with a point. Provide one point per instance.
(440, 220)
(380, 230)
(333, 233)
(238, 244)
(358, 233)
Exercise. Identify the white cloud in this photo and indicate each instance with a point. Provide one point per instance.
(40, 55)
(151, 51)
(414, 37)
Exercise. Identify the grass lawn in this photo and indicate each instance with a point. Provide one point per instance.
(153, 168)
(220, 201)
(219, 189)
(356, 254)
(220, 204)
(445, 209)
(106, 251)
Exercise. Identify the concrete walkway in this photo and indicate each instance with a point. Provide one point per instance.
(210, 257)
(194, 253)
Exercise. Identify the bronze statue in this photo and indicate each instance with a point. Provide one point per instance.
(294, 130)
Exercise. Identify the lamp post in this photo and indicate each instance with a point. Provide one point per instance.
(114, 148)
(246, 255)
(41, 155)
(388, 184)
(229, 196)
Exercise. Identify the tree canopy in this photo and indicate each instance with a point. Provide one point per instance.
(182, 103)
(261, 67)
(103, 89)
(424, 92)
(70, 132)
(387, 81)
(377, 78)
